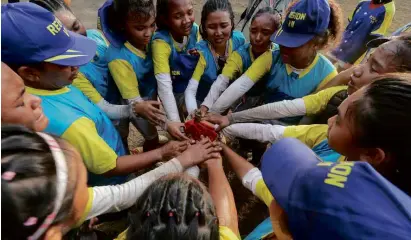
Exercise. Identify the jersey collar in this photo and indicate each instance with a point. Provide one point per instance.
(306, 70)
(42, 92)
(134, 50)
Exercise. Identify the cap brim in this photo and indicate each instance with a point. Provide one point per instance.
(80, 53)
(291, 40)
(282, 163)
(377, 42)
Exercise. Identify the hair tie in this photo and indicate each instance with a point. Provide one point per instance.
(197, 214)
(8, 175)
(171, 214)
(61, 185)
(148, 214)
(30, 221)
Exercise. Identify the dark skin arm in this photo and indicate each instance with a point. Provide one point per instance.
(222, 195)
(133, 163)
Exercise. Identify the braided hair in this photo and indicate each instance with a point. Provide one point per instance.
(52, 5)
(174, 207)
(31, 192)
(213, 6)
(276, 17)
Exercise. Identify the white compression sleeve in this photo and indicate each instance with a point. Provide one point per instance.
(234, 92)
(165, 92)
(190, 95)
(251, 178)
(271, 111)
(114, 112)
(108, 199)
(218, 87)
(255, 131)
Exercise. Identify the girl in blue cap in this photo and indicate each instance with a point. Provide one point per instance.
(219, 42)
(94, 78)
(264, 23)
(48, 69)
(177, 34)
(297, 68)
(44, 191)
(388, 57)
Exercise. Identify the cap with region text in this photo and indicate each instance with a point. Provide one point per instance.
(325, 200)
(32, 34)
(305, 20)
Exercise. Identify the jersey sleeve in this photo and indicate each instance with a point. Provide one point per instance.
(161, 56)
(200, 68)
(227, 234)
(310, 135)
(384, 20)
(233, 67)
(97, 155)
(85, 86)
(263, 193)
(125, 78)
(332, 72)
(260, 67)
(315, 103)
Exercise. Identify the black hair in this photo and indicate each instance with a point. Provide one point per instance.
(381, 1)
(269, 10)
(32, 191)
(213, 6)
(161, 12)
(403, 53)
(335, 28)
(52, 5)
(381, 119)
(122, 10)
(174, 207)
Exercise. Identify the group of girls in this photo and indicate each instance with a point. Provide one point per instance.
(145, 52)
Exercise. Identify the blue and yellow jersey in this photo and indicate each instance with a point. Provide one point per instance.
(170, 57)
(366, 22)
(239, 62)
(283, 83)
(316, 103)
(315, 137)
(225, 234)
(206, 71)
(132, 71)
(76, 119)
(94, 78)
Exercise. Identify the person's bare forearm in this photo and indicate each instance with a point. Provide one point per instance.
(240, 165)
(133, 163)
(222, 196)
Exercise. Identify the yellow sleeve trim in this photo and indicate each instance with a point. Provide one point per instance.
(200, 68)
(310, 135)
(388, 16)
(233, 67)
(327, 79)
(97, 155)
(125, 78)
(82, 83)
(227, 234)
(262, 192)
(161, 56)
(317, 102)
(260, 66)
(122, 236)
(88, 207)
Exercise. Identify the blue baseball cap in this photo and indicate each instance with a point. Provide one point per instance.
(325, 200)
(306, 19)
(32, 34)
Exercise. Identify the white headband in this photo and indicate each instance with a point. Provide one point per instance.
(62, 179)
